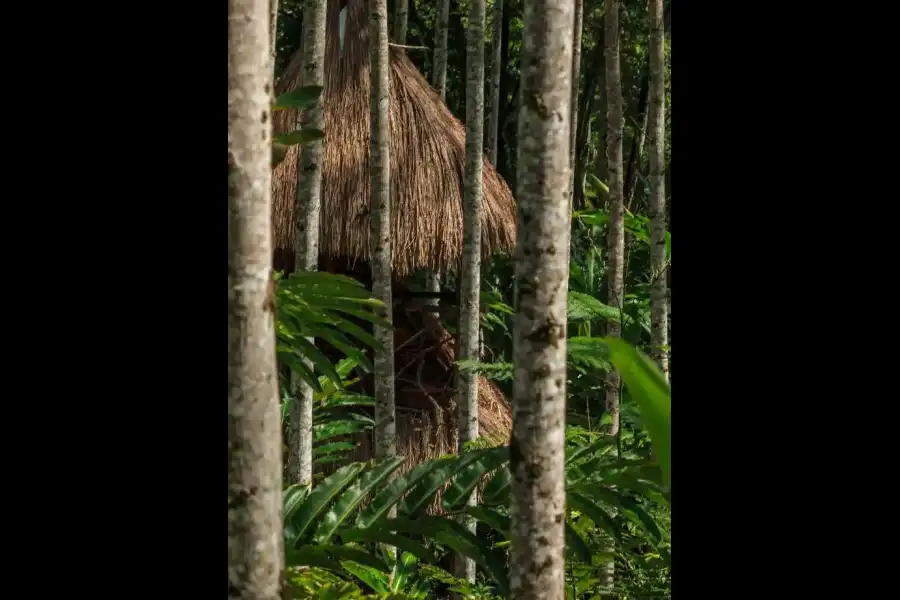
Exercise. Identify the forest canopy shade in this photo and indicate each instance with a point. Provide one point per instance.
(427, 162)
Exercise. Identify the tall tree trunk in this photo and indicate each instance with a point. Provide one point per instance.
(496, 69)
(442, 25)
(306, 238)
(659, 302)
(401, 18)
(594, 79)
(255, 532)
(537, 448)
(615, 253)
(470, 280)
(637, 141)
(573, 125)
(637, 144)
(385, 418)
(576, 74)
(616, 238)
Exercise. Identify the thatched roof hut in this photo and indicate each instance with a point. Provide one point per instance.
(427, 168)
(427, 162)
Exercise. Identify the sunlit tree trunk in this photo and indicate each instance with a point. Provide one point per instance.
(497, 42)
(255, 531)
(442, 19)
(306, 240)
(470, 276)
(385, 418)
(537, 448)
(659, 302)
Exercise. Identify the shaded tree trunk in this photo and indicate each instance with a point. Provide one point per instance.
(401, 17)
(594, 80)
(470, 276)
(615, 252)
(306, 238)
(635, 157)
(442, 24)
(573, 125)
(255, 531)
(385, 417)
(637, 141)
(537, 448)
(659, 302)
(497, 40)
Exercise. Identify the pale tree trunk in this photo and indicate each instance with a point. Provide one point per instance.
(273, 32)
(615, 252)
(537, 448)
(659, 303)
(255, 532)
(470, 272)
(440, 47)
(401, 20)
(497, 42)
(385, 420)
(306, 238)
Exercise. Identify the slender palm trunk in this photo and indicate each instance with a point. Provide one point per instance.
(255, 553)
(306, 239)
(576, 74)
(385, 419)
(537, 448)
(496, 69)
(470, 284)
(439, 80)
(401, 19)
(615, 252)
(659, 302)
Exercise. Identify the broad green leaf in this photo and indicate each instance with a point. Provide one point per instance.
(576, 547)
(310, 556)
(374, 579)
(323, 494)
(301, 136)
(330, 430)
(355, 534)
(450, 533)
(490, 517)
(279, 152)
(420, 497)
(594, 512)
(395, 490)
(403, 568)
(300, 98)
(309, 351)
(352, 497)
(496, 491)
(650, 389)
(467, 479)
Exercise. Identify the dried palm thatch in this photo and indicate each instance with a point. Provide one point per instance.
(427, 162)
(424, 379)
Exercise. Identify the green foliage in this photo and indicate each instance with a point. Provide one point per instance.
(321, 305)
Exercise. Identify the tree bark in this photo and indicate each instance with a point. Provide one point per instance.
(659, 302)
(255, 531)
(594, 79)
(637, 141)
(537, 448)
(385, 418)
(496, 69)
(616, 237)
(470, 281)
(306, 239)
(576, 75)
(615, 253)
(401, 18)
(442, 25)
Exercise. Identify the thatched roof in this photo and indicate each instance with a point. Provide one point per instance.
(427, 162)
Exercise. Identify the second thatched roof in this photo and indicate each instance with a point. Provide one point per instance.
(427, 162)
